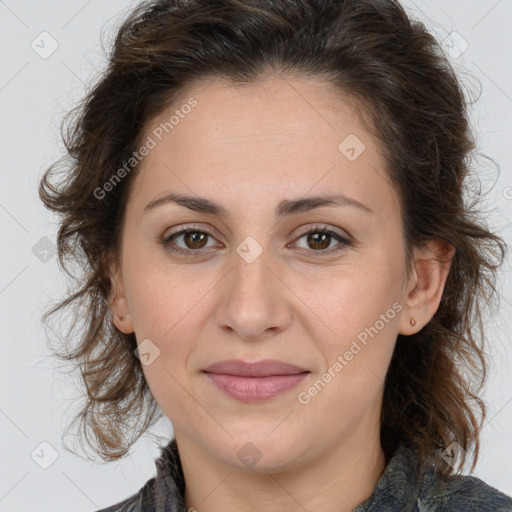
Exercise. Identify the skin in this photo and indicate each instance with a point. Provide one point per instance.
(248, 148)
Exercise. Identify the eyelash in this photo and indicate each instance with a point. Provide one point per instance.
(343, 241)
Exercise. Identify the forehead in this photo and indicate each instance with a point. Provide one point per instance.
(280, 136)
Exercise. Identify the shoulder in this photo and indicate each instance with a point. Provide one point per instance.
(461, 492)
(162, 492)
(131, 504)
(141, 501)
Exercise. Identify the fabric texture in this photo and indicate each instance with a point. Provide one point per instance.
(399, 489)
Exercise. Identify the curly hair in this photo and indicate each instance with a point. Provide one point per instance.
(405, 92)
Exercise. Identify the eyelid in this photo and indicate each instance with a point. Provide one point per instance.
(323, 227)
(304, 231)
(188, 227)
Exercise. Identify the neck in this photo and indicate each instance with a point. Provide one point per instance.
(344, 477)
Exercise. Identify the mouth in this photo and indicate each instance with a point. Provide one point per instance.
(254, 381)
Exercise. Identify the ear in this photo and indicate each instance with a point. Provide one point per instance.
(426, 285)
(119, 304)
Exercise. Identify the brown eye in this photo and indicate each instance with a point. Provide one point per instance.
(319, 240)
(193, 241)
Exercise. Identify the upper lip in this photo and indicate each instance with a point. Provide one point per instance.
(263, 368)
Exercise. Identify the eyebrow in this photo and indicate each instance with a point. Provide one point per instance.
(284, 208)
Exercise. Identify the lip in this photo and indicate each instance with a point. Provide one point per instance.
(254, 381)
(265, 368)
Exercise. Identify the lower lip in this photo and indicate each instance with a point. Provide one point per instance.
(255, 389)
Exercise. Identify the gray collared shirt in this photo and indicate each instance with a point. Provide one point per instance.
(401, 488)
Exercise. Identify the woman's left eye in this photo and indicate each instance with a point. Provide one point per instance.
(318, 239)
(321, 239)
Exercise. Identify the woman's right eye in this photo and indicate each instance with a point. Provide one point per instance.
(194, 240)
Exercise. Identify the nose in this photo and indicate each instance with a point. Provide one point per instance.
(254, 301)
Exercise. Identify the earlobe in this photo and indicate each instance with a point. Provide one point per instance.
(123, 323)
(431, 268)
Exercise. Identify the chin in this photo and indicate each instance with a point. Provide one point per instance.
(260, 452)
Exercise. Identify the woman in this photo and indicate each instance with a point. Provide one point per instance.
(268, 201)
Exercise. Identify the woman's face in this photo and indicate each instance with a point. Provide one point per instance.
(257, 286)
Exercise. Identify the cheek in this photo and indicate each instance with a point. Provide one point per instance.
(171, 390)
(165, 310)
(362, 314)
(357, 297)
(161, 295)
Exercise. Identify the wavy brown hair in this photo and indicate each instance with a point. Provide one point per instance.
(405, 92)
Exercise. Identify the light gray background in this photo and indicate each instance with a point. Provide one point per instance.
(36, 401)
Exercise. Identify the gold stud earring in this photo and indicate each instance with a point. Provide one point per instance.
(412, 321)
